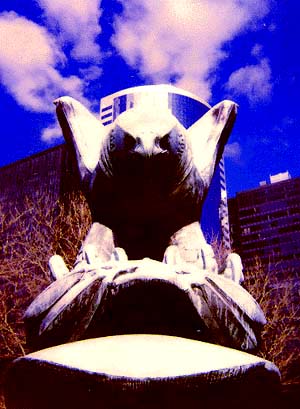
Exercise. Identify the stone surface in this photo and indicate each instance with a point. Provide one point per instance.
(146, 176)
(140, 371)
(144, 268)
(140, 296)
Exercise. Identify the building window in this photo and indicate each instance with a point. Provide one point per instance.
(106, 108)
(246, 230)
(106, 115)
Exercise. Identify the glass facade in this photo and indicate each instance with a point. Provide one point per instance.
(186, 109)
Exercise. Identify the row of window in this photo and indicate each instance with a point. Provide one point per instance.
(270, 193)
(251, 216)
(277, 226)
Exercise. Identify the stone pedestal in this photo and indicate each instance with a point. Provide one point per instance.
(140, 371)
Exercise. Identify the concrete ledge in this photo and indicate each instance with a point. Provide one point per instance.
(140, 371)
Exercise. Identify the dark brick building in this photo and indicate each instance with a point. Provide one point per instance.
(51, 172)
(265, 223)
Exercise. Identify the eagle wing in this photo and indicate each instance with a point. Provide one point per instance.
(208, 136)
(84, 132)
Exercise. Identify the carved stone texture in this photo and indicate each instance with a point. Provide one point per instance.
(146, 176)
(144, 268)
(145, 296)
(141, 371)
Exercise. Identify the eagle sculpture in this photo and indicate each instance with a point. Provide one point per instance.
(145, 176)
(145, 266)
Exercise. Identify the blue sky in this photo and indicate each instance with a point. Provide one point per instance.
(245, 50)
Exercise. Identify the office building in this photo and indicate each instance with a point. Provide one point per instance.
(265, 223)
(50, 172)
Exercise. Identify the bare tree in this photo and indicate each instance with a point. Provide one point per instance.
(29, 237)
(277, 292)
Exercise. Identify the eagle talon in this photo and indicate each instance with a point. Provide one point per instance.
(119, 254)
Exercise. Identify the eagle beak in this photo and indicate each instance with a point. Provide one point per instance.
(148, 144)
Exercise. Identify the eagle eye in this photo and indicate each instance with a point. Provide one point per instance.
(129, 141)
(165, 142)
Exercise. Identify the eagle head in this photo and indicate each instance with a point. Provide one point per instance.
(147, 134)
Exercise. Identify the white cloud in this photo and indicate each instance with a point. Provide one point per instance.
(182, 38)
(29, 57)
(257, 51)
(252, 81)
(233, 151)
(51, 133)
(90, 73)
(78, 23)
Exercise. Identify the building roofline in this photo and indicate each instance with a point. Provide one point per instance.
(152, 88)
(267, 186)
(32, 156)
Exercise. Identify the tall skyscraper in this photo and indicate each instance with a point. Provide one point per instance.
(187, 108)
(265, 223)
